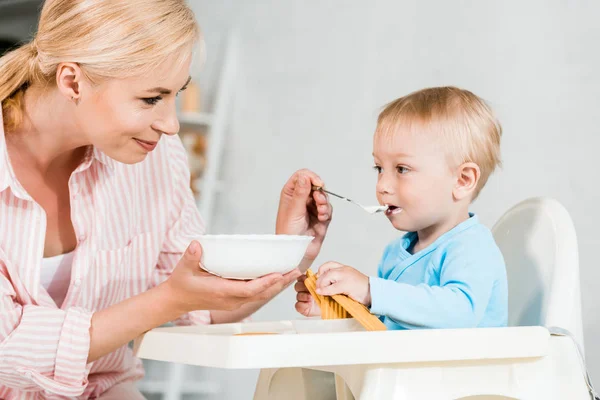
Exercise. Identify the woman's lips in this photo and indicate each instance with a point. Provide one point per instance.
(146, 145)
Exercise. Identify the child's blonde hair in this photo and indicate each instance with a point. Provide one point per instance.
(464, 122)
(107, 38)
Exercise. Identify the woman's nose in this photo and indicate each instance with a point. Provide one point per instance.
(168, 123)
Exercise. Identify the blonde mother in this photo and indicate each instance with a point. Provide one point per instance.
(95, 201)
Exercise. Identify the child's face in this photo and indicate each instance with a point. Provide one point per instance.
(414, 179)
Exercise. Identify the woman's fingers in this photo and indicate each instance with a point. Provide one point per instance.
(300, 287)
(304, 296)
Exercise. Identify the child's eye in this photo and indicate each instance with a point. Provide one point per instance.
(152, 101)
(402, 170)
(377, 168)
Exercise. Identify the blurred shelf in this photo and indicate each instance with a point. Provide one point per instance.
(195, 118)
(203, 387)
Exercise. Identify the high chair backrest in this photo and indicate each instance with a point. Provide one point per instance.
(538, 240)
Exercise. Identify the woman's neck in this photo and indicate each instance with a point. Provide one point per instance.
(47, 138)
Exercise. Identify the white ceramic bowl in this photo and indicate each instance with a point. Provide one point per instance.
(251, 256)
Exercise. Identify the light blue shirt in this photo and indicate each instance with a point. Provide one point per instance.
(459, 281)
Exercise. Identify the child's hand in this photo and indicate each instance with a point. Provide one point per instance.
(335, 278)
(305, 303)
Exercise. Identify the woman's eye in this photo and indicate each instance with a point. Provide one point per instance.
(152, 101)
(182, 90)
(377, 168)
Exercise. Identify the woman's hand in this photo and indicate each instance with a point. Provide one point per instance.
(190, 288)
(305, 303)
(336, 278)
(303, 211)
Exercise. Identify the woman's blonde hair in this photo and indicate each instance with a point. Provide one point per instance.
(107, 38)
(465, 124)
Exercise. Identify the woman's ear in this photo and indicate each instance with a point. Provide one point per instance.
(69, 77)
(467, 178)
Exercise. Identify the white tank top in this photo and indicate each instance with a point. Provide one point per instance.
(56, 276)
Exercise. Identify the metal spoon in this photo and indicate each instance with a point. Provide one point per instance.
(369, 209)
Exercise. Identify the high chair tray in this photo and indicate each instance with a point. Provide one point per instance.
(312, 342)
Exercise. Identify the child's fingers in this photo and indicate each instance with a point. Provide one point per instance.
(323, 269)
(329, 278)
(330, 290)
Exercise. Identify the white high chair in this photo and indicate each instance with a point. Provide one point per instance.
(539, 244)
(318, 360)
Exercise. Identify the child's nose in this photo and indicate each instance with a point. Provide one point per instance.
(384, 185)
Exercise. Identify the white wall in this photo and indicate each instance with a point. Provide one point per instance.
(314, 73)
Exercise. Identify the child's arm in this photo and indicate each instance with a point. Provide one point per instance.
(466, 282)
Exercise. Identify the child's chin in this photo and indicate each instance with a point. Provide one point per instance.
(400, 226)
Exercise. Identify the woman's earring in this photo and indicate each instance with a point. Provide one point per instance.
(76, 101)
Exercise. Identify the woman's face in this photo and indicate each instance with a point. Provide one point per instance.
(125, 118)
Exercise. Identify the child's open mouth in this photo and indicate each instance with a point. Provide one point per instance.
(392, 210)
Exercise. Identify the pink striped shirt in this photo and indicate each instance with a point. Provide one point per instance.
(130, 221)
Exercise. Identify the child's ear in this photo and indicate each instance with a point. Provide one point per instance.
(467, 177)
